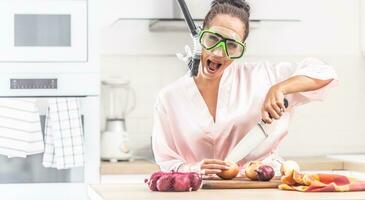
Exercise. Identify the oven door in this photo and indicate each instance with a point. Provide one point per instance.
(43, 31)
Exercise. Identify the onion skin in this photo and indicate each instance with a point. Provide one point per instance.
(288, 180)
(230, 173)
(250, 170)
(288, 167)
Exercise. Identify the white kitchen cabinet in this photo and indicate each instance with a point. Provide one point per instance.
(129, 22)
(51, 68)
(260, 9)
(362, 26)
(44, 191)
(43, 31)
(282, 10)
(112, 10)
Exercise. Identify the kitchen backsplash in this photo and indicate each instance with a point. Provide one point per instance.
(147, 75)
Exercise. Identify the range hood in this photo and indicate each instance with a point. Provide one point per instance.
(165, 15)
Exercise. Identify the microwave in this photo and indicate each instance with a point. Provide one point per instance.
(43, 31)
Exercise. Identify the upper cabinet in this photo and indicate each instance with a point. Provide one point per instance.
(43, 31)
(281, 10)
(112, 10)
(145, 25)
(169, 9)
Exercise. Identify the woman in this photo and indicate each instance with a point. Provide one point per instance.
(198, 120)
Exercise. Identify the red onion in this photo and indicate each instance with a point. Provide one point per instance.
(174, 181)
(265, 173)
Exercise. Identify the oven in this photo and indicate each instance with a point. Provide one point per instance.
(48, 49)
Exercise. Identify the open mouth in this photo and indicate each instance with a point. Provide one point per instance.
(213, 66)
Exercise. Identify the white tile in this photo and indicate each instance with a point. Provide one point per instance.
(146, 125)
(132, 124)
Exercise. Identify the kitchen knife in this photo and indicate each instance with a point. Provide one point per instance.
(250, 141)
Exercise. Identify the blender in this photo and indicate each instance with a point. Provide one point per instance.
(119, 101)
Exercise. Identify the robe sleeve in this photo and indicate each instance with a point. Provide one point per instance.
(310, 67)
(162, 139)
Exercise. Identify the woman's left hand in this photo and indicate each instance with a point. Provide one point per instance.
(273, 105)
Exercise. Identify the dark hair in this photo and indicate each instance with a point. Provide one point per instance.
(234, 8)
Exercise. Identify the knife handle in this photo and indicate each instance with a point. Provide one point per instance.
(286, 103)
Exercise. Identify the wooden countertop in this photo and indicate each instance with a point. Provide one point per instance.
(136, 191)
(306, 163)
(140, 191)
(132, 167)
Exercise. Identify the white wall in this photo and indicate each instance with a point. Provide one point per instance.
(329, 30)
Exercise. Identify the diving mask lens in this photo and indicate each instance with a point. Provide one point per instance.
(234, 49)
(210, 40)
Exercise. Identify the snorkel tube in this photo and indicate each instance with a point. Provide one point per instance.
(195, 61)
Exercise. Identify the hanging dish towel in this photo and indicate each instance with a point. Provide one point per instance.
(20, 127)
(63, 134)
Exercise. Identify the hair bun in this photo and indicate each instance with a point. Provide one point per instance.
(241, 4)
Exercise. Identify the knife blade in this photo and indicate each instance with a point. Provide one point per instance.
(251, 140)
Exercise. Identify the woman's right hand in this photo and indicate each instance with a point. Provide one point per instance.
(207, 166)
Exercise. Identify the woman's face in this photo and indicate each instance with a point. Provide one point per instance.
(215, 61)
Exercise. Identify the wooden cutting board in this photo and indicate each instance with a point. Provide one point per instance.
(239, 183)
